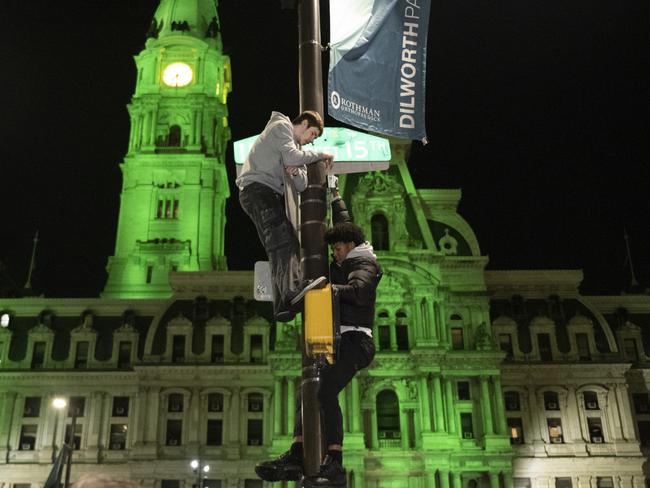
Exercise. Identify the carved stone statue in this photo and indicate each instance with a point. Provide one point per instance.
(484, 341)
(154, 29)
(213, 28)
(412, 389)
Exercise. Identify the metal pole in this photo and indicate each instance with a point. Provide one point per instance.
(633, 281)
(28, 285)
(73, 426)
(313, 209)
(56, 425)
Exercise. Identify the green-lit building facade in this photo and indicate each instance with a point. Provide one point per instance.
(174, 181)
(482, 378)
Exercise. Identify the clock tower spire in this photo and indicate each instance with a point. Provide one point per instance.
(174, 190)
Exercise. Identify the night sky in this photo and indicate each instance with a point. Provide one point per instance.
(538, 110)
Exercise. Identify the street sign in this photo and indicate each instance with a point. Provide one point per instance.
(354, 151)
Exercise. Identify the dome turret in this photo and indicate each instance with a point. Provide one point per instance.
(197, 18)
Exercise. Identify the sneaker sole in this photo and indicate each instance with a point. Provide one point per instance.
(285, 316)
(270, 473)
(314, 284)
(308, 483)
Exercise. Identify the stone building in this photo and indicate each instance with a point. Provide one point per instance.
(481, 379)
(572, 380)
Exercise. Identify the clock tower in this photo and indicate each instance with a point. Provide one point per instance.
(174, 190)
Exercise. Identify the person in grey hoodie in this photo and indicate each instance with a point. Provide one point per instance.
(276, 159)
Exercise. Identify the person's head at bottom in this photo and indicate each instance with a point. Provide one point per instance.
(101, 481)
(342, 238)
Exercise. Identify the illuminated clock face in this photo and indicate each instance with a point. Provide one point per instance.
(177, 74)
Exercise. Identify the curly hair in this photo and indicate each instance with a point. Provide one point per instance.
(345, 232)
(101, 481)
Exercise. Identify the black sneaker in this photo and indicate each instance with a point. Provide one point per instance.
(287, 467)
(331, 474)
(298, 297)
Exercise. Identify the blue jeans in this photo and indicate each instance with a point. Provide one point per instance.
(266, 209)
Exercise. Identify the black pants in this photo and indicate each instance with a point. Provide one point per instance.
(266, 209)
(356, 352)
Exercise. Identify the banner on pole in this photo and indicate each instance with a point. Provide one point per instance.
(377, 70)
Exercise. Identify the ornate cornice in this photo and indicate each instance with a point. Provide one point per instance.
(125, 328)
(483, 362)
(70, 378)
(285, 362)
(441, 199)
(41, 329)
(383, 363)
(86, 327)
(218, 285)
(609, 304)
(180, 322)
(257, 321)
(566, 372)
(464, 262)
(533, 283)
(218, 321)
(158, 372)
(69, 307)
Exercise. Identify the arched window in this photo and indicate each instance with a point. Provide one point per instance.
(175, 403)
(512, 400)
(215, 402)
(591, 400)
(551, 400)
(554, 308)
(214, 431)
(456, 331)
(255, 402)
(257, 349)
(517, 307)
(379, 230)
(401, 331)
(383, 330)
(174, 137)
(457, 340)
(255, 421)
(424, 312)
(383, 316)
(388, 419)
(622, 316)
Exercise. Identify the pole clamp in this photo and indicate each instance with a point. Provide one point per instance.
(312, 41)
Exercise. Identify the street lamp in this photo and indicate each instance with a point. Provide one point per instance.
(200, 470)
(59, 404)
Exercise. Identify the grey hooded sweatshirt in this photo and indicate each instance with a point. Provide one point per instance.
(274, 149)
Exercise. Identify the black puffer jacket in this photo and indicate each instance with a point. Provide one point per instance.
(355, 280)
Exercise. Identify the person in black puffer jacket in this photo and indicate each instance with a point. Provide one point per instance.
(354, 271)
(354, 275)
